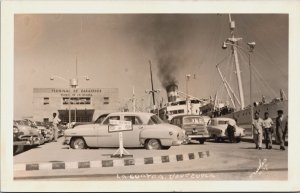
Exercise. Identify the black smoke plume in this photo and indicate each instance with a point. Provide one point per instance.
(167, 33)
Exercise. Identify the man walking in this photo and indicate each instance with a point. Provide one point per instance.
(257, 130)
(56, 121)
(268, 130)
(281, 128)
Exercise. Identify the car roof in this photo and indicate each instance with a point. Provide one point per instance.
(142, 115)
(174, 116)
(222, 118)
(131, 113)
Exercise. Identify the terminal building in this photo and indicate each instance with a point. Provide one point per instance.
(83, 104)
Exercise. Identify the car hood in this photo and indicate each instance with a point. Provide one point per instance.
(78, 128)
(41, 127)
(222, 127)
(27, 130)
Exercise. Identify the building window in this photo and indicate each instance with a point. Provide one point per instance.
(46, 119)
(181, 111)
(46, 100)
(106, 100)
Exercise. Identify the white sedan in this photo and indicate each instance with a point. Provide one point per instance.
(217, 129)
(148, 131)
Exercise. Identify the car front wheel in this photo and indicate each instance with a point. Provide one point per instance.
(238, 140)
(201, 141)
(153, 144)
(78, 143)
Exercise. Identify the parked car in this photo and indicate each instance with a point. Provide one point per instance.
(101, 118)
(217, 128)
(24, 134)
(148, 131)
(33, 125)
(193, 125)
(46, 130)
(61, 128)
(206, 119)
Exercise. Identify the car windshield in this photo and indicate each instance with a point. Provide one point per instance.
(21, 122)
(39, 123)
(222, 122)
(193, 120)
(154, 119)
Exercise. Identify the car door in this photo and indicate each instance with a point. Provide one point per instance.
(132, 138)
(105, 138)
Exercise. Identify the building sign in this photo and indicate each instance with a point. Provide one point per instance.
(83, 90)
(118, 126)
(76, 100)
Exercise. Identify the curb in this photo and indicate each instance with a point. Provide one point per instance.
(112, 162)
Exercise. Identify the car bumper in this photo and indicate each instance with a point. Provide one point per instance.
(22, 143)
(235, 136)
(175, 143)
(198, 136)
(240, 135)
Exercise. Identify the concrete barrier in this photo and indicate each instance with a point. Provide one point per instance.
(112, 162)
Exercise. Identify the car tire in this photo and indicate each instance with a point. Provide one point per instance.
(238, 140)
(217, 139)
(201, 141)
(166, 147)
(153, 144)
(15, 149)
(78, 143)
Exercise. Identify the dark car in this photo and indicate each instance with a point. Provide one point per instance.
(193, 125)
(25, 135)
(46, 130)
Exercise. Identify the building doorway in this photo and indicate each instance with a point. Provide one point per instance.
(82, 115)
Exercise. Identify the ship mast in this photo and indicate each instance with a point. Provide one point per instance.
(234, 41)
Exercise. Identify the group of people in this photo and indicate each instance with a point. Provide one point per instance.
(265, 127)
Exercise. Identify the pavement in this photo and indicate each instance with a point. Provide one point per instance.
(226, 161)
(249, 139)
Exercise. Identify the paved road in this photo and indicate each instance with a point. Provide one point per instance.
(226, 162)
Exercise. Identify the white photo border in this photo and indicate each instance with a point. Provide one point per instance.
(9, 8)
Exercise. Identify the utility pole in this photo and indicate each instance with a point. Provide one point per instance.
(133, 99)
(152, 87)
(73, 83)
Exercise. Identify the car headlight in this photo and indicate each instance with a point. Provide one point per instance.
(170, 132)
(16, 130)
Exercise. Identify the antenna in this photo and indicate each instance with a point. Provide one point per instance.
(76, 68)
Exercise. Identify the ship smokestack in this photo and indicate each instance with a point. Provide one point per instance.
(172, 92)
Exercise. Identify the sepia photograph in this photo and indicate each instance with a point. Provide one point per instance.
(145, 97)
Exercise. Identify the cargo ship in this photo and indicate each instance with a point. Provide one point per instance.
(236, 108)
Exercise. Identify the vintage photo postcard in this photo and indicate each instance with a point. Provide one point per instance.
(149, 96)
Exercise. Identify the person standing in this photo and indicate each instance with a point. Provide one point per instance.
(56, 121)
(257, 130)
(230, 131)
(281, 128)
(286, 129)
(268, 130)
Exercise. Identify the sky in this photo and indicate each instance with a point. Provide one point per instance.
(114, 51)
